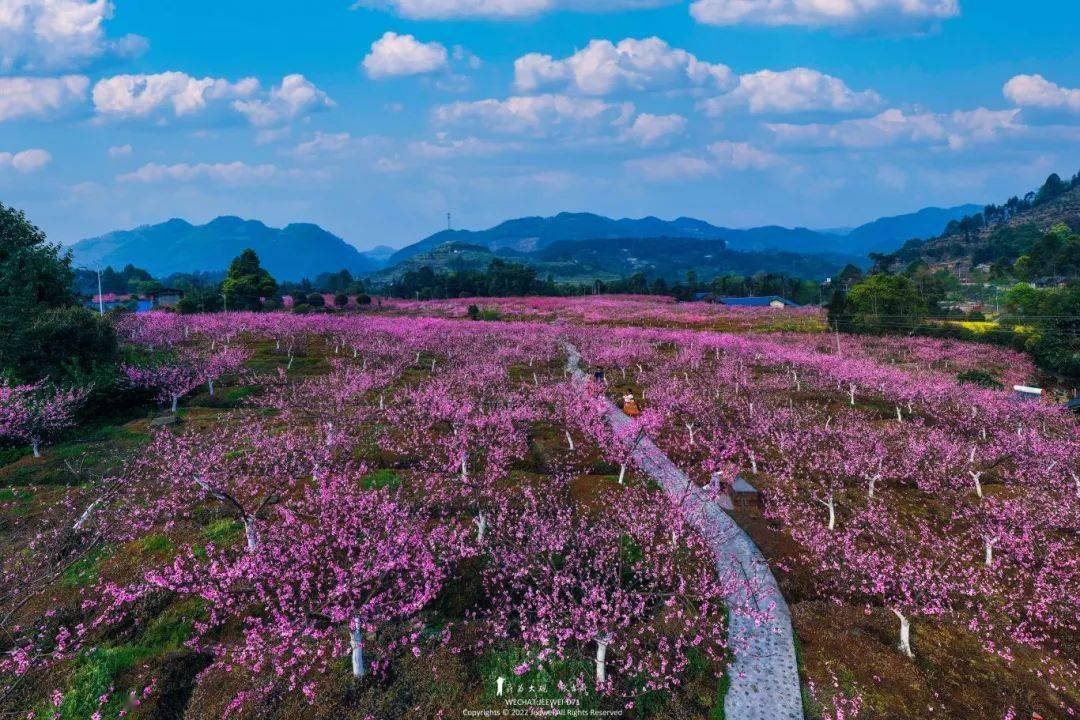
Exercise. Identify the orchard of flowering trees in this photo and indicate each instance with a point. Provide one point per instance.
(436, 493)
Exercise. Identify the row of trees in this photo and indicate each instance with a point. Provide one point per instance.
(509, 279)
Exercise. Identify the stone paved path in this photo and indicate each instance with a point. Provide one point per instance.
(764, 676)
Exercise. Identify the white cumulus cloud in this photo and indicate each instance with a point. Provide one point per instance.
(234, 173)
(323, 143)
(494, 9)
(788, 91)
(538, 115)
(895, 127)
(444, 147)
(603, 67)
(1037, 91)
(119, 151)
(175, 93)
(166, 95)
(39, 97)
(395, 55)
(26, 161)
(676, 167)
(58, 34)
(742, 156)
(295, 96)
(649, 130)
(885, 15)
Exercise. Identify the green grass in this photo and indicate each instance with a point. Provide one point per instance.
(96, 672)
(223, 532)
(380, 479)
(154, 544)
(19, 499)
(86, 569)
(539, 682)
(94, 447)
(718, 712)
(10, 455)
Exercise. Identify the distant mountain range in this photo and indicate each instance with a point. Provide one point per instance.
(567, 245)
(290, 253)
(536, 233)
(582, 261)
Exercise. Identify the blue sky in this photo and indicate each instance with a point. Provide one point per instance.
(375, 119)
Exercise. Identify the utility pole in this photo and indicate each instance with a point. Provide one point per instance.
(100, 300)
(226, 299)
(448, 225)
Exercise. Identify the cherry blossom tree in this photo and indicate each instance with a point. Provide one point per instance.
(32, 414)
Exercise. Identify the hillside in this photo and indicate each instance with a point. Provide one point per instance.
(290, 253)
(533, 234)
(888, 233)
(998, 233)
(613, 258)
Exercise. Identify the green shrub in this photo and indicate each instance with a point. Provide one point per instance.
(70, 344)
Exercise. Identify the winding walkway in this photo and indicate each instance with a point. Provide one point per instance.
(764, 676)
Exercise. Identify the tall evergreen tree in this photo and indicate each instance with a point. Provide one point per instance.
(247, 282)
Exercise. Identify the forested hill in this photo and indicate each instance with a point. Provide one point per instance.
(290, 253)
(1000, 234)
(535, 234)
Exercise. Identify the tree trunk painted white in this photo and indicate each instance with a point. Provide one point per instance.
(536, 380)
(690, 429)
(569, 440)
(622, 472)
(289, 366)
(85, 515)
(464, 468)
(251, 531)
(899, 417)
(851, 392)
(175, 398)
(976, 476)
(753, 462)
(356, 640)
(433, 365)
(481, 525)
(830, 503)
(990, 542)
(601, 659)
(210, 384)
(382, 402)
(904, 645)
(873, 482)
(35, 445)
